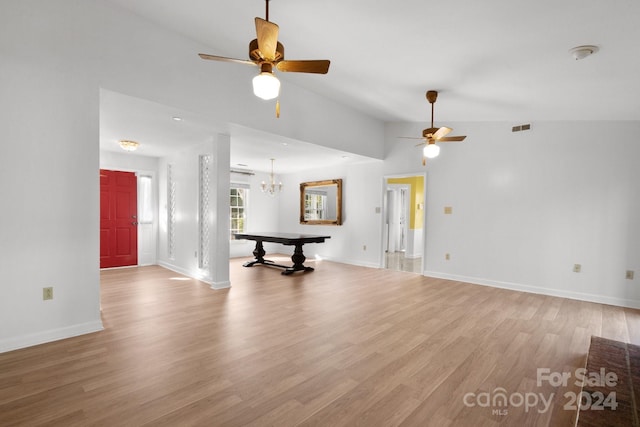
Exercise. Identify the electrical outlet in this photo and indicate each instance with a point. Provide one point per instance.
(447, 257)
(577, 268)
(629, 275)
(47, 293)
(364, 247)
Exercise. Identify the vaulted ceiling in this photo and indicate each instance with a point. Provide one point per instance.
(501, 60)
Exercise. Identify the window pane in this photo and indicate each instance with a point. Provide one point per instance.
(237, 210)
(146, 209)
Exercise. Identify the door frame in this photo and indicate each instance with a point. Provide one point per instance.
(385, 208)
(143, 257)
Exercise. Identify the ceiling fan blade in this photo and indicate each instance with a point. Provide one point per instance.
(409, 137)
(267, 33)
(440, 133)
(452, 139)
(320, 66)
(225, 59)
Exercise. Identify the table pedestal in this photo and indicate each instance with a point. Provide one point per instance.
(297, 258)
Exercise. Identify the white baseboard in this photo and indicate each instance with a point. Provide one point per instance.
(352, 262)
(49, 336)
(175, 268)
(214, 285)
(220, 285)
(600, 299)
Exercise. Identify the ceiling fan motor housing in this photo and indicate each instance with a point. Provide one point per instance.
(428, 133)
(256, 56)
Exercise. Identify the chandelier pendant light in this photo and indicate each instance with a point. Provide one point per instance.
(271, 188)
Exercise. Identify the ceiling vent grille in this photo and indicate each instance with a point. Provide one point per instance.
(520, 128)
(242, 171)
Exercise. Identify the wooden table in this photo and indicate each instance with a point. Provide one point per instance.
(290, 239)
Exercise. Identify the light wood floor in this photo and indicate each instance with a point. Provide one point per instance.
(341, 346)
(398, 262)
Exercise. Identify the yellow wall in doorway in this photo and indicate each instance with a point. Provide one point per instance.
(416, 200)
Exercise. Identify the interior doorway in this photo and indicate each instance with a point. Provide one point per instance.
(398, 196)
(403, 225)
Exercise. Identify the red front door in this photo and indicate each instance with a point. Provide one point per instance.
(118, 219)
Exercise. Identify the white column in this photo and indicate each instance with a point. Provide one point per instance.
(219, 251)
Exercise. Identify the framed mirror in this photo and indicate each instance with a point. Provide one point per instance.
(321, 202)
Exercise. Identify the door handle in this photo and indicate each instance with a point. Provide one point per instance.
(134, 223)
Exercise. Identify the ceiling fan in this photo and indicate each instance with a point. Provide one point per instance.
(267, 53)
(432, 135)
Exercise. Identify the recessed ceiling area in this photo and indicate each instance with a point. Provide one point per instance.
(154, 126)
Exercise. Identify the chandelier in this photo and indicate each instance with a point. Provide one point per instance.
(272, 188)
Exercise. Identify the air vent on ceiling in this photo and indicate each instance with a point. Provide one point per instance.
(242, 171)
(520, 128)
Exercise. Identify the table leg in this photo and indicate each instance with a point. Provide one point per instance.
(258, 252)
(298, 259)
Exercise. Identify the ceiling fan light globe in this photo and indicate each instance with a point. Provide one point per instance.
(266, 86)
(431, 150)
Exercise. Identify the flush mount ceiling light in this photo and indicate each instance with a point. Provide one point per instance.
(128, 145)
(581, 52)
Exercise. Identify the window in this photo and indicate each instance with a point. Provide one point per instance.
(315, 205)
(171, 212)
(146, 203)
(238, 208)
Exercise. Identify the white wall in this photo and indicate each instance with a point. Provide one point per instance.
(362, 193)
(48, 190)
(185, 166)
(527, 206)
(263, 211)
(128, 162)
(54, 58)
(361, 225)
